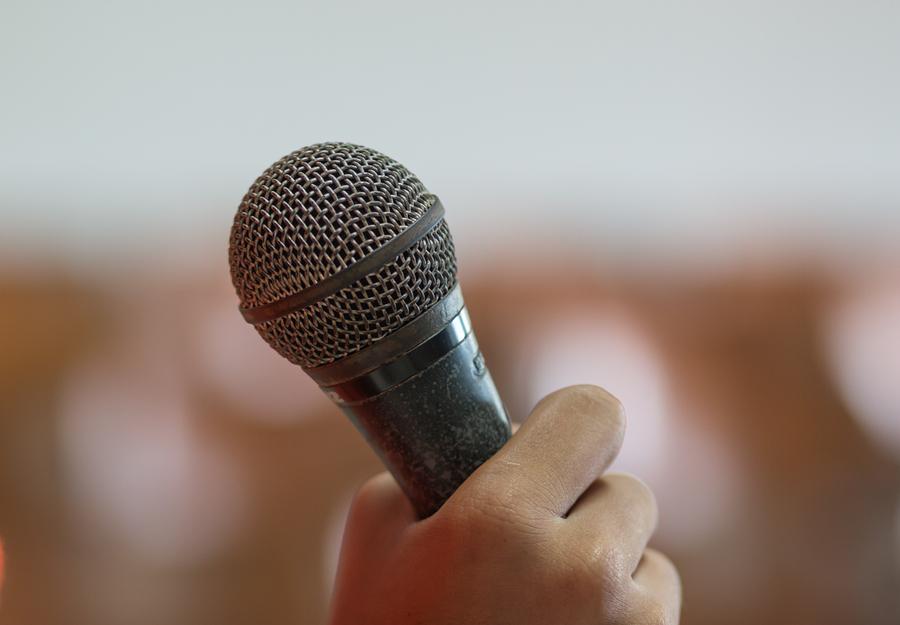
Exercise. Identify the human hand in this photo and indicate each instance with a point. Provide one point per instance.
(534, 537)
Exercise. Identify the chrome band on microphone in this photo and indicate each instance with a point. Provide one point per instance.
(400, 369)
(391, 346)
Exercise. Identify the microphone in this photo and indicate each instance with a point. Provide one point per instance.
(343, 263)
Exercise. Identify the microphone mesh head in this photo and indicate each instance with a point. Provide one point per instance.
(318, 211)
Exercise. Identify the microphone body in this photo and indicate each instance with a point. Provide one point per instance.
(344, 264)
(430, 412)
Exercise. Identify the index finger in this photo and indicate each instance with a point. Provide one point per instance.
(568, 441)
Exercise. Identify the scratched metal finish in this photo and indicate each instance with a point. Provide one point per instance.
(433, 430)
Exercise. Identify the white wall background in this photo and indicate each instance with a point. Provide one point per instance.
(635, 125)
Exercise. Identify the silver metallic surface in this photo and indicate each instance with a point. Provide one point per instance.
(346, 277)
(317, 212)
(392, 346)
(406, 366)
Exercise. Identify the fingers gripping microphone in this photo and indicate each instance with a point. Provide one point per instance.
(344, 264)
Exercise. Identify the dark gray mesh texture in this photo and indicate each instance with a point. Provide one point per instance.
(318, 211)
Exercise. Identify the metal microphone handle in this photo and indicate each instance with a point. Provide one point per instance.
(435, 428)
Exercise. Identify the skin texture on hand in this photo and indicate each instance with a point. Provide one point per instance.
(534, 537)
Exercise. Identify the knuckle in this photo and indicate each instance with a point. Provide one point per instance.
(594, 406)
(615, 574)
(635, 489)
(661, 559)
(589, 395)
(599, 403)
(600, 398)
(654, 612)
(665, 564)
(605, 571)
(637, 486)
(582, 583)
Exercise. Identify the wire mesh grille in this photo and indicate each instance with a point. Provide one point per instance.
(318, 211)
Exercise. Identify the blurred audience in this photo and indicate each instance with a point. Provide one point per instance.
(161, 464)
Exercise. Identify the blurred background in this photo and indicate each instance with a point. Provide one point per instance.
(693, 204)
